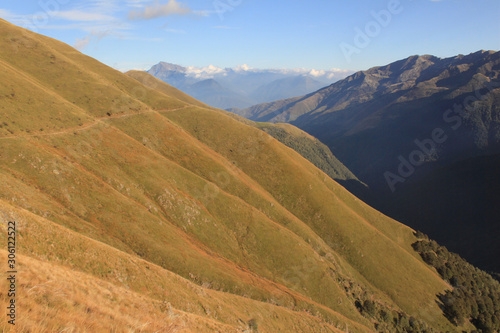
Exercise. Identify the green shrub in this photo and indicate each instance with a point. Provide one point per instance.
(475, 294)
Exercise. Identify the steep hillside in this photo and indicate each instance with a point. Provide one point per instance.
(314, 151)
(465, 217)
(396, 125)
(124, 194)
(306, 145)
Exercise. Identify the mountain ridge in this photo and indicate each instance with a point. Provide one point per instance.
(244, 86)
(197, 214)
(394, 125)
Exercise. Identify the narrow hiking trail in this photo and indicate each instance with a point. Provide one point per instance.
(96, 121)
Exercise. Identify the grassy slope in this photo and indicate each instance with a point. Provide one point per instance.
(128, 278)
(309, 147)
(119, 192)
(363, 238)
(196, 121)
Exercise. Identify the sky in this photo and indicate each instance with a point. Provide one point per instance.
(314, 34)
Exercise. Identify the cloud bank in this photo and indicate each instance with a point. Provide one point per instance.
(173, 7)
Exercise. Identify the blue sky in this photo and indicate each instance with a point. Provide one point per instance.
(319, 34)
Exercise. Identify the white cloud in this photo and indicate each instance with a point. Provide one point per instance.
(316, 73)
(226, 27)
(173, 7)
(81, 16)
(21, 20)
(127, 66)
(175, 31)
(82, 43)
(5, 13)
(152, 39)
(242, 68)
(204, 72)
(136, 3)
(210, 72)
(102, 5)
(97, 18)
(89, 27)
(95, 15)
(204, 13)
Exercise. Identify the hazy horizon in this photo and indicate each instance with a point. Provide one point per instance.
(136, 34)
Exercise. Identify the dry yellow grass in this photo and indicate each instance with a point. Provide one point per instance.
(137, 194)
(70, 252)
(55, 299)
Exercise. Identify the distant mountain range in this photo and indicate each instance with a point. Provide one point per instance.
(411, 131)
(139, 208)
(243, 86)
